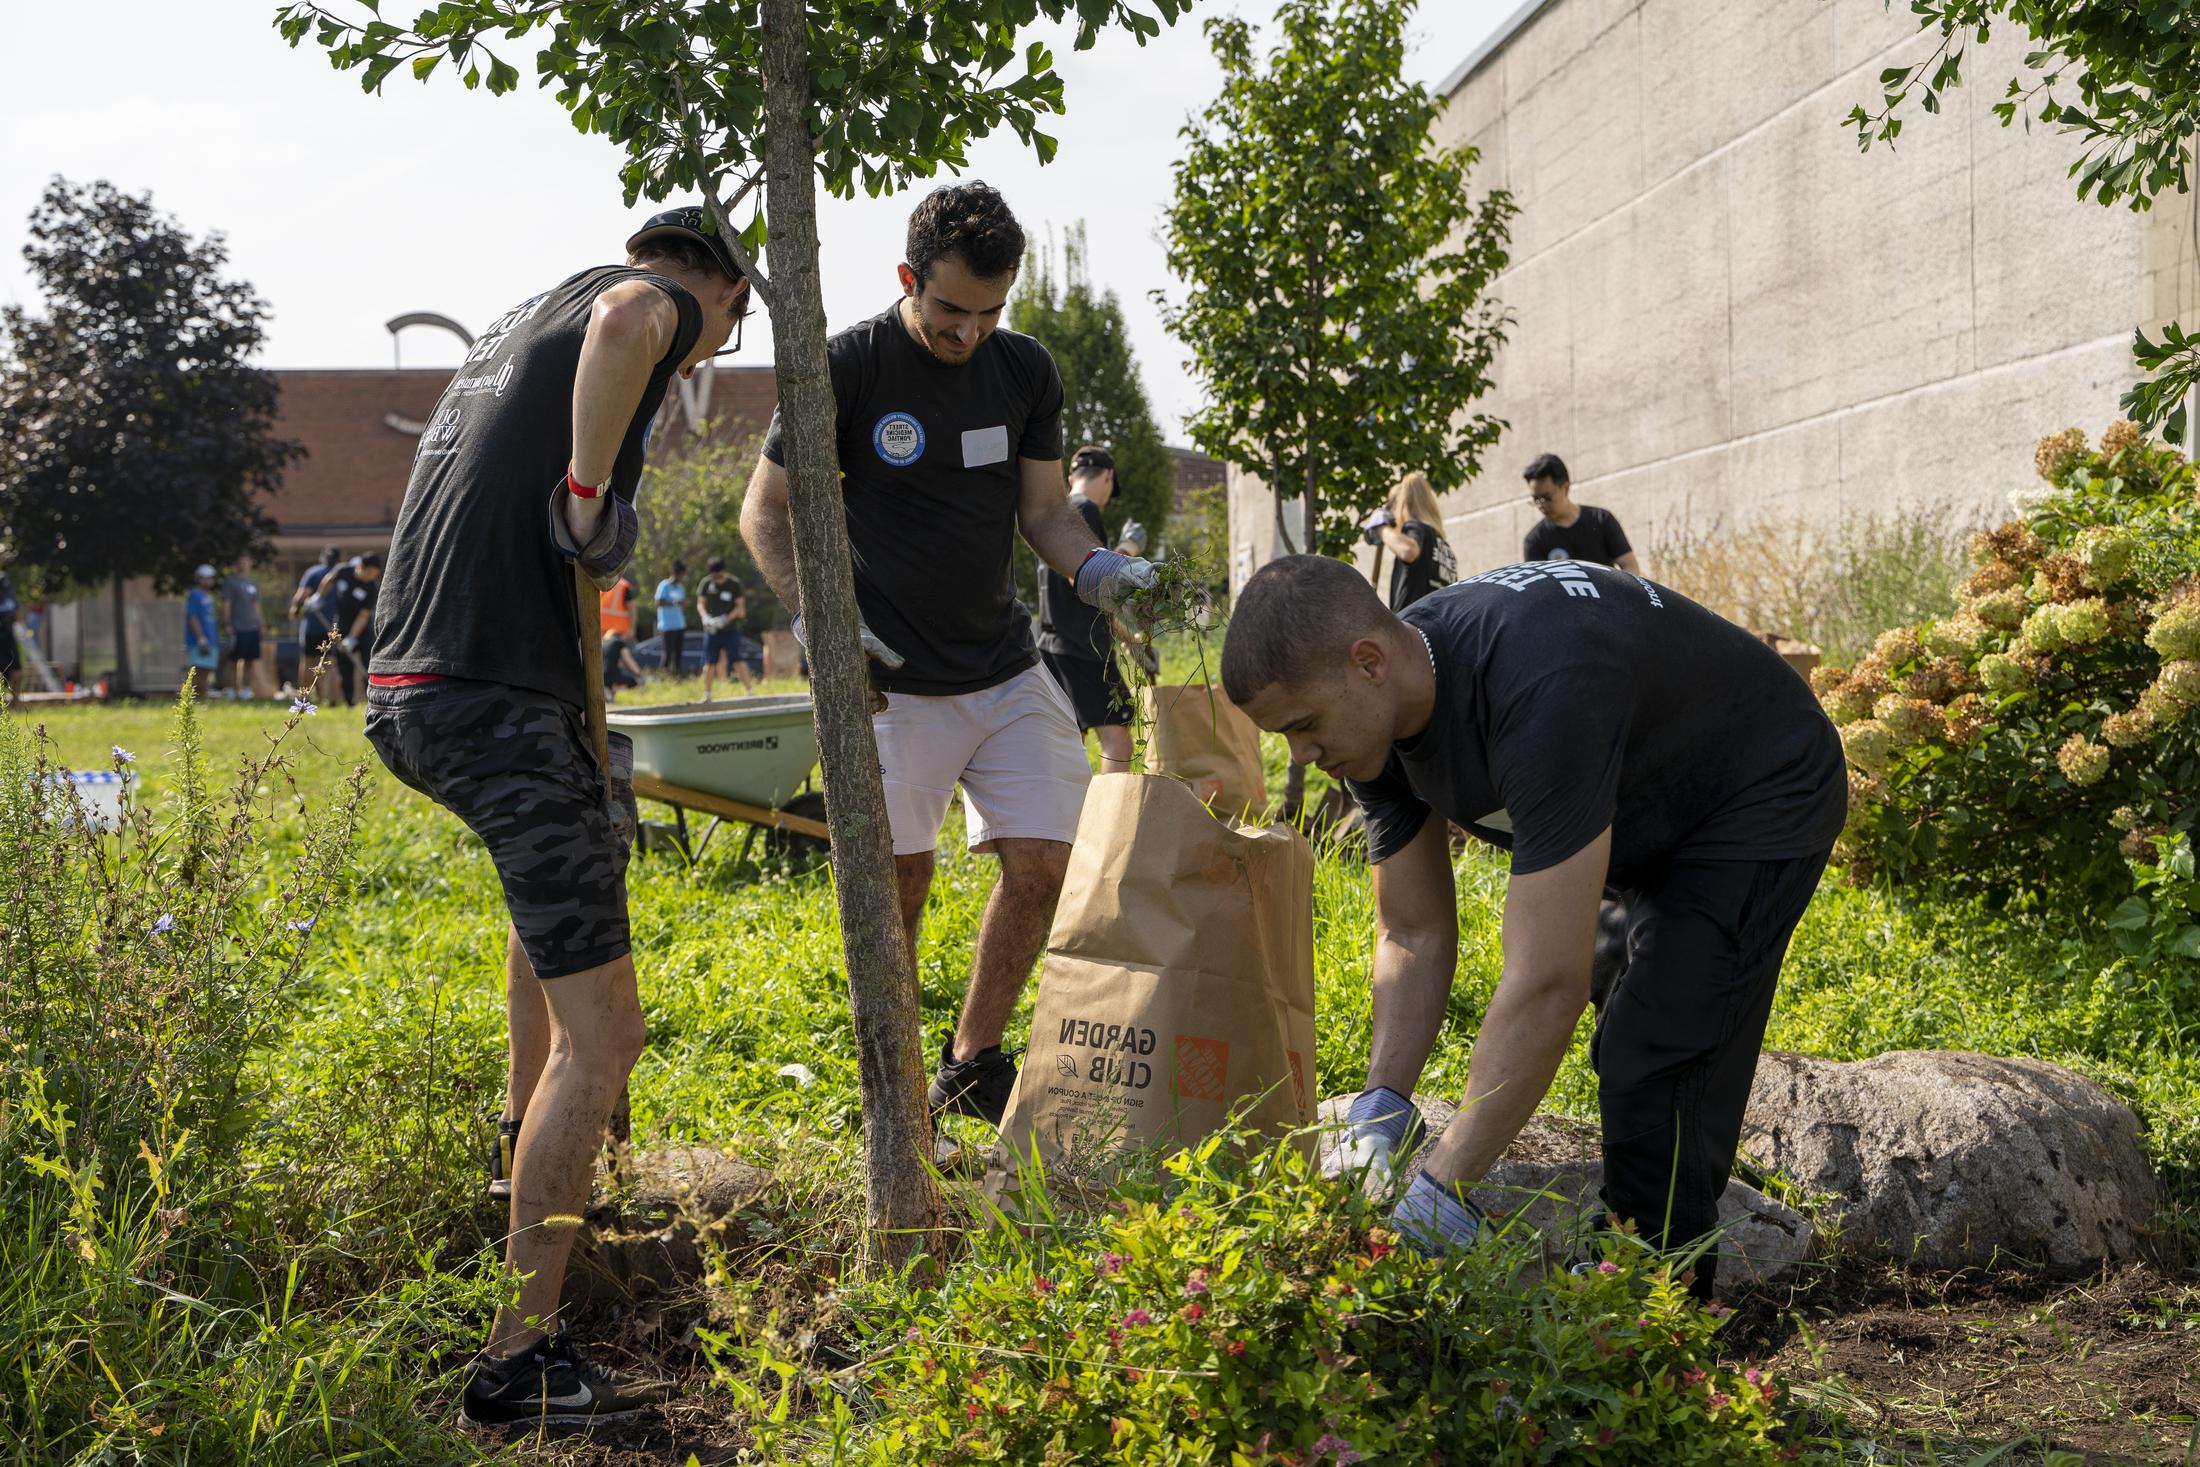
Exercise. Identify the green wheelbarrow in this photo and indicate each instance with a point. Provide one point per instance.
(748, 760)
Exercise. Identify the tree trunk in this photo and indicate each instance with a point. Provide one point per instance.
(902, 1210)
(121, 684)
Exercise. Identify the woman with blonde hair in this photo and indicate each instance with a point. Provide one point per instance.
(1410, 525)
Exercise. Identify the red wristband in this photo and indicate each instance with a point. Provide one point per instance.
(576, 488)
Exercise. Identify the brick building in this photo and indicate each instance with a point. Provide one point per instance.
(359, 428)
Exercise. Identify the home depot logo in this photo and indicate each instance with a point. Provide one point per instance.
(1202, 1068)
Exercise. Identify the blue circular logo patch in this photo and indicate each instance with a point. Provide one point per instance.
(898, 439)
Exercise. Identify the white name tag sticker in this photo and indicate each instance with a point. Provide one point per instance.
(982, 446)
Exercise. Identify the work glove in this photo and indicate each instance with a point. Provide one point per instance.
(1134, 536)
(1371, 528)
(886, 656)
(626, 816)
(1435, 1218)
(1112, 583)
(350, 645)
(1381, 1128)
(609, 548)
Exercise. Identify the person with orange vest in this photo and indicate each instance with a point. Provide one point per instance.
(617, 614)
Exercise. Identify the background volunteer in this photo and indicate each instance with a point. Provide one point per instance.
(1585, 720)
(722, 602)
(313, 628)
(347, 602)
(1077, 641)
(950, 442)
(1570, 531)
(477, 701)
(1410, 525)
(670, 600)
(241, 602)
(201, 632)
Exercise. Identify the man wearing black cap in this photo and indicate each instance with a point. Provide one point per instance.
(1077, 641)
(529, 463)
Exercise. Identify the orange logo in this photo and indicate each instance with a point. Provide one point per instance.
(1202, 1067)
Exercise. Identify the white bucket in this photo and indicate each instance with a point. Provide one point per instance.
(97, 796)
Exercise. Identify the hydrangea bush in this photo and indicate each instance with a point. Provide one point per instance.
(1252, 1313)
(2040, 744)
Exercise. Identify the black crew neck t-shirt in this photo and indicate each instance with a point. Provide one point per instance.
(1570, 698)
(474, 587)
(929, 473)
(1067, 626)
(718, 598)
(1411, 580)
(1594, 536)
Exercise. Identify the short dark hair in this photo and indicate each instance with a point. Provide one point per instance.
(1548, 466)
(679, 567)
(717, 564)
(1294, 615)
(690, 255)
(330, 554)
(373, 558)
(968, 220)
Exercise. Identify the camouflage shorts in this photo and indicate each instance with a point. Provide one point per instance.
(516, 767)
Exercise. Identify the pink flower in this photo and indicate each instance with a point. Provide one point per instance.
(1111, 1263)
(1115, 1336)
(1331, 1442)
(1137, 1317)
(1607, 1267)
(1753, 1375)
(914, 1333)
(1692, 1377)
(1718, 1399)
(1197, 1283)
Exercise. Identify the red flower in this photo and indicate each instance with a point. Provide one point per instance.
(1236, 1347)
(1193, 1311)
(970, 1410)
(1604, 1436)
(1692, 1377)
(1044, 1286)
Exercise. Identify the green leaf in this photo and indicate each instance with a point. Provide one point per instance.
(2131, 915)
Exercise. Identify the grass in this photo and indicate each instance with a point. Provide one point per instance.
(390, 1063)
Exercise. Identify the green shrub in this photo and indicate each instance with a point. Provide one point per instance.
(151, 1309)
(1255, 1314)
(2035, 743)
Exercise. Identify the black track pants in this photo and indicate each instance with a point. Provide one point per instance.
(1679, 1031)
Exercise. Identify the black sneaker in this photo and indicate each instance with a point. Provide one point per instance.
(978, 1087)
(553, 1385)
(502, 1153)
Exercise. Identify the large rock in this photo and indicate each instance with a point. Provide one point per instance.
(1948, 1159)
(1549, 1178)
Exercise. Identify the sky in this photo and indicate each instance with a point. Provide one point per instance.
(345, 210)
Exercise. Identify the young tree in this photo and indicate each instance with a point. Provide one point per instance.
(1334, 265)
(726, 97)
(140, 440)
(2120, 76)
(1103, 399)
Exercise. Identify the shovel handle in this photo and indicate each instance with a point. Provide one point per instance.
(591, 619)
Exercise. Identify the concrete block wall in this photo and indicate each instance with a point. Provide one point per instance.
(1725, 311)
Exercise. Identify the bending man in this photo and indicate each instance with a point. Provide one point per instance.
(1603, 729)
(530, 463)
(950, 442)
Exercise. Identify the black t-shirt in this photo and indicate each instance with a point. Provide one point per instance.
(1594, 536)
(1067, 626)
(344, 595)
(929, 471)
(717, 599)
(475, 586)
(1411, 580)
(1571, 698)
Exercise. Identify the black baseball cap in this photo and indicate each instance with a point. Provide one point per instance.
(1091, 457)
(692, 223)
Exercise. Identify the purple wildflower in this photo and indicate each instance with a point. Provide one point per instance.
(1331, 1442)
(124, 756)
(303, 924)
(300, 707)
(163, 923)
(1111, 1263)
(1137, 1317)
(1607, 1266)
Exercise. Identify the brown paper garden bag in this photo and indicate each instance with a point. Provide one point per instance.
(1198, 735)
(1179, 981)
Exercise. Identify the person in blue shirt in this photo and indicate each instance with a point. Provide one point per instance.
(671, 599)
(313, 629)
(201, 632)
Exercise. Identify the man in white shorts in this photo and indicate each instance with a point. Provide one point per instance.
(950, 441)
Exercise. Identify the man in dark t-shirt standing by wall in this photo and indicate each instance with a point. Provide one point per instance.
(1604, 730)
(950, 442)
(1570, 531)
(1077, 641)
(529, 464)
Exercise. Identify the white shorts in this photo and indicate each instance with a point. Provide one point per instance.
(1014, 748)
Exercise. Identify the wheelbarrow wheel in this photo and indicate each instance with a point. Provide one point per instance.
(791, 849)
